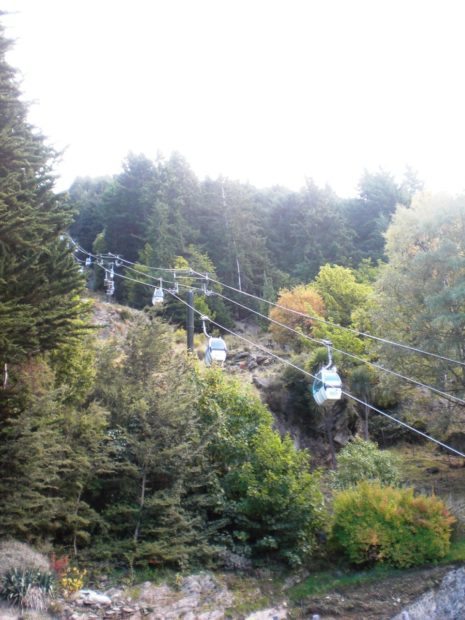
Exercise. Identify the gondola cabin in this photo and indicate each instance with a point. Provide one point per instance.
(158, 296)
(327, 386)
(216, 351)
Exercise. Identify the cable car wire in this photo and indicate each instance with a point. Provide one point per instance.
(286, 309)
(346, 353)
(114, 257)
(309, 374)
(305, 372)
(394, 373)
(291, 310)
(150, 285)
(350, 329)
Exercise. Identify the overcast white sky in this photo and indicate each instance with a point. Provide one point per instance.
(269, 91)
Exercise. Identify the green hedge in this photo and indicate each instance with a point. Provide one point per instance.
(385, 524)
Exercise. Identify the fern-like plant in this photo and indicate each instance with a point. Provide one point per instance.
(27, 587)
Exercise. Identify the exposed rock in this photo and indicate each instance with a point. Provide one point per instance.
(445, 603)
(199, 596)
(263, 383)
(276, 613)
(343, 436)
(91, 597)
(155, 594)
(234, 561)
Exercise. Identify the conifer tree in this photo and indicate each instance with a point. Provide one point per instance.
(39, 281)
(155, 502)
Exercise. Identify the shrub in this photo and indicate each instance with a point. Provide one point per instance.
(363, 460)
(384, 524)
(72, 580)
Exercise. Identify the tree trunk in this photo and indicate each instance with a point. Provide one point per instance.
(141, 505)
(329, 433)
(365, 429)
(78, 501)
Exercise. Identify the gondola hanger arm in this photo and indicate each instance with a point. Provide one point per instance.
(205, 318)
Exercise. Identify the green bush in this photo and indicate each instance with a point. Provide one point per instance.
(363, 460)
(373, 523)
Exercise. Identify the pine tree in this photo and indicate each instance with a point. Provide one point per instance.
(39, 280)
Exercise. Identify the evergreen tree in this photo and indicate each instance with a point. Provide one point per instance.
(86, 199)
(233, 236)
(127, 206)
(307, 230)
(50, 451)
(173, 222)
(370, 214)
(39, 281)
(155, 502)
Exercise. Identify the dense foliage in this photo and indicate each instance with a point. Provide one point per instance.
(272, 504)
(198, 465)
(374, 523)
(156, 497)
(305, 302)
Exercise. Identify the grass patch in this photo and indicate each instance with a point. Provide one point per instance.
(327, 581)
(245, 608)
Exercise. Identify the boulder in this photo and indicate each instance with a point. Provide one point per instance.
(91, 597)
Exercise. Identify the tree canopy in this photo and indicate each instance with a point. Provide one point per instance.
(421, 293)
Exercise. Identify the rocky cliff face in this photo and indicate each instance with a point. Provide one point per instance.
(444, 603)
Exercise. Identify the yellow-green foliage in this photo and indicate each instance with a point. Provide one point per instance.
(385, 524)
(72, 580)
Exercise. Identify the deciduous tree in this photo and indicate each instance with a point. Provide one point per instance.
(421, 293)
(306, 302)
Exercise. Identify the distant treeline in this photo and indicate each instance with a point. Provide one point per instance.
(154, 212)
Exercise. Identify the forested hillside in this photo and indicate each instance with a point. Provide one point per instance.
(155, 211)
(126, 451)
